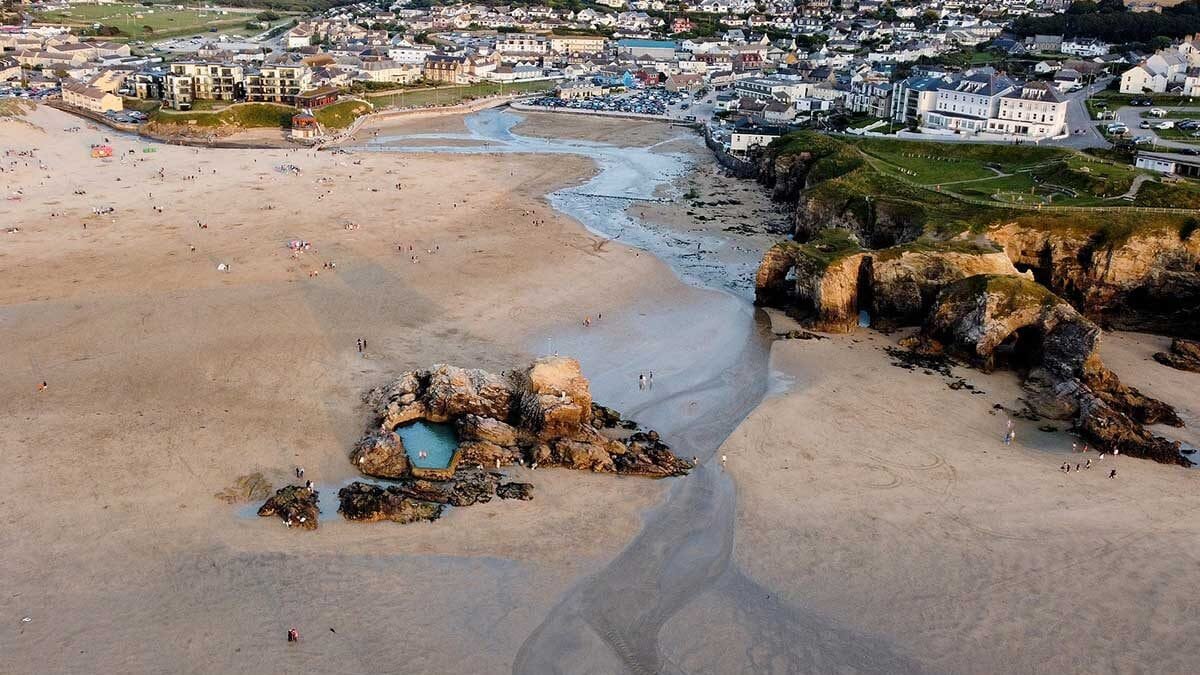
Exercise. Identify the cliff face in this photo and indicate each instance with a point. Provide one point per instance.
(1147, 280)
(1004, 320)
(896, 285)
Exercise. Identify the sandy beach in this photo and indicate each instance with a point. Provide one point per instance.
(868, 519)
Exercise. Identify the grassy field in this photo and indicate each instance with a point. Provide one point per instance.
(243, 115)
(944, 189)
(929, 163)
(424, 97)
(137, 22)
(264, 115)
(341, 114)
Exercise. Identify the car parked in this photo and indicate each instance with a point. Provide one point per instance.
(1145, 124)
(1157, 112)
(1165, 124)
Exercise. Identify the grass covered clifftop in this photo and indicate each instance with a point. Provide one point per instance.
(944, 189)
(241, 116)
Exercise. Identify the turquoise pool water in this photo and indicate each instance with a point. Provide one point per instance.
(436, 440)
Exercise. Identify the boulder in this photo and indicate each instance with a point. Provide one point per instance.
(381, 454)
(454, 391)
(476, 428)
(296, 505)
(371, 503)
(555, 401)
(1183, 355)
(522, 491)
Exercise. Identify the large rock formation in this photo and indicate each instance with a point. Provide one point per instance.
(295, 505)
(543, 414)
(371, 503)
(830, 279)
(994, 320)
(1145, 278)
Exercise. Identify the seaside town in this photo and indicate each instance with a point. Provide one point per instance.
(600, 336)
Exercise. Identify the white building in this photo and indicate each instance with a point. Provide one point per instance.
(1035, 110)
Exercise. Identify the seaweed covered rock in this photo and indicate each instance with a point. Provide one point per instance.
(372, 503)
(381, 454)
(295, 505)
(1183, 355)
(646, 455)
(467, 487)
(514, 490)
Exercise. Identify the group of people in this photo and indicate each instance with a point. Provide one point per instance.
(361, 343)
(646, 380)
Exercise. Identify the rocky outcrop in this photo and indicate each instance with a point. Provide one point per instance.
(1003, 320)
(905, 280)
(555, 400)
(381, 454)
(1183, 355)
(1143, 278)
(829, 281)
(364, 502)
(295, 505)
(543, 414)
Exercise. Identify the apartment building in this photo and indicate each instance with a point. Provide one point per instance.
(522, 43)
(189, 81)
(90, 98)
(278, 82)
(585, 44)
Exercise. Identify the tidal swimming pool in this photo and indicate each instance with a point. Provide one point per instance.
(436, 441)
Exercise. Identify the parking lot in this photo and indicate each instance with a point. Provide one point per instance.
(640, 102)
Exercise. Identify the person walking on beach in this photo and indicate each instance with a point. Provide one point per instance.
(293, 635)
(358, 343)
(723, 461)
(650, 380)
(1088, 465)
(1112, 474)
(299, 472)
(642, 381)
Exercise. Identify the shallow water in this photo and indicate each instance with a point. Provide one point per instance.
(428, 445)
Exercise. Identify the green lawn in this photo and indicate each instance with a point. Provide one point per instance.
(138, 22)
(341, 114)
(1177, 135)
(929, 163)
(424, 97)
(264, 115)
(243, 115)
